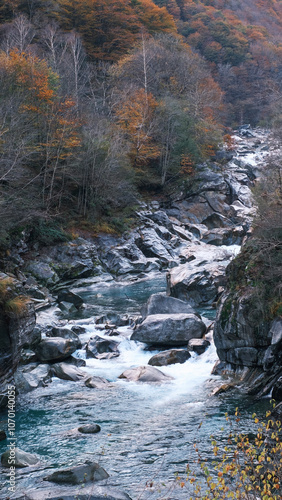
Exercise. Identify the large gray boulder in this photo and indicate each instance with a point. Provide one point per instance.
(19, 458)
(117, 261)
(97, 383)
(169, 329)
(43, 272)
(224, 236)
(89, 492)
(66, 371)
(68, 296)
(170, 357)
(153, 245)
(160, 303)
(145, 374)
(55, 349)
(73, 260)
(96, 346)
(198, 345)
(89, 429)
(26, 380)
(79, 474)
(197, 284)
(65, 333)
(161, 219)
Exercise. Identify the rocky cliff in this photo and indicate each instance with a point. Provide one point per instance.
(248, 327)
(17, 328)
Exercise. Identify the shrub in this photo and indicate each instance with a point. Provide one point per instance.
(17, 305)
(48, 233)
(11, 302)
(249, 467)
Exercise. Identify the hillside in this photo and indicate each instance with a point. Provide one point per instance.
(102, 98)
(242, 42)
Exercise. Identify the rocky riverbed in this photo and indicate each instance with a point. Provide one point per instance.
(124, 327)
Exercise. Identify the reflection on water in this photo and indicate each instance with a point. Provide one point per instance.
(121, 297)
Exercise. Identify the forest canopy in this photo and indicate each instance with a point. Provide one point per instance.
(102, 100)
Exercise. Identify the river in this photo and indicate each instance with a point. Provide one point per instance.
(147, 431)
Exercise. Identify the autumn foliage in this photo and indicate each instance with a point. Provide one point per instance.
(110, 28)
(106, 97)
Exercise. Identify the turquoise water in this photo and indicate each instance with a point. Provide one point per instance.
(147, 431)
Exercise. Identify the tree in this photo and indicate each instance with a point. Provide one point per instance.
(109, 29)
(47, 126)
(187, 103)
(246, 468)
(102, 172)
(136, 116)
(19, 34)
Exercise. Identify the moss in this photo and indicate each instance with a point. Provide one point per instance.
(48, 233)
(258, 269)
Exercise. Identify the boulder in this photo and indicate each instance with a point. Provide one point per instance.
(75, 270)
(72, 260)
(170, 357)
(66, 371)
(197, 284)
(145, 374)
(67, 307)
(276, 331)
(97, 346)
(88, 492)
(68, 296)
(114, 319)
(19, 457)
(224, 236)
(55, 349)
(43, 272)
(97, 383)
(26, 381)
(161, 219)
(89, 429)
(65, 333)
(152, 245)
(198, 345)
(79, 330)
(160, 303)
(79, 362)
(79, 474)
(118, 264)
(183, 233)
(28, 356)
(169, 330)
(240, 190)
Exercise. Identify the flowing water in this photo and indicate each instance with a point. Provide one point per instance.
(147, 431)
